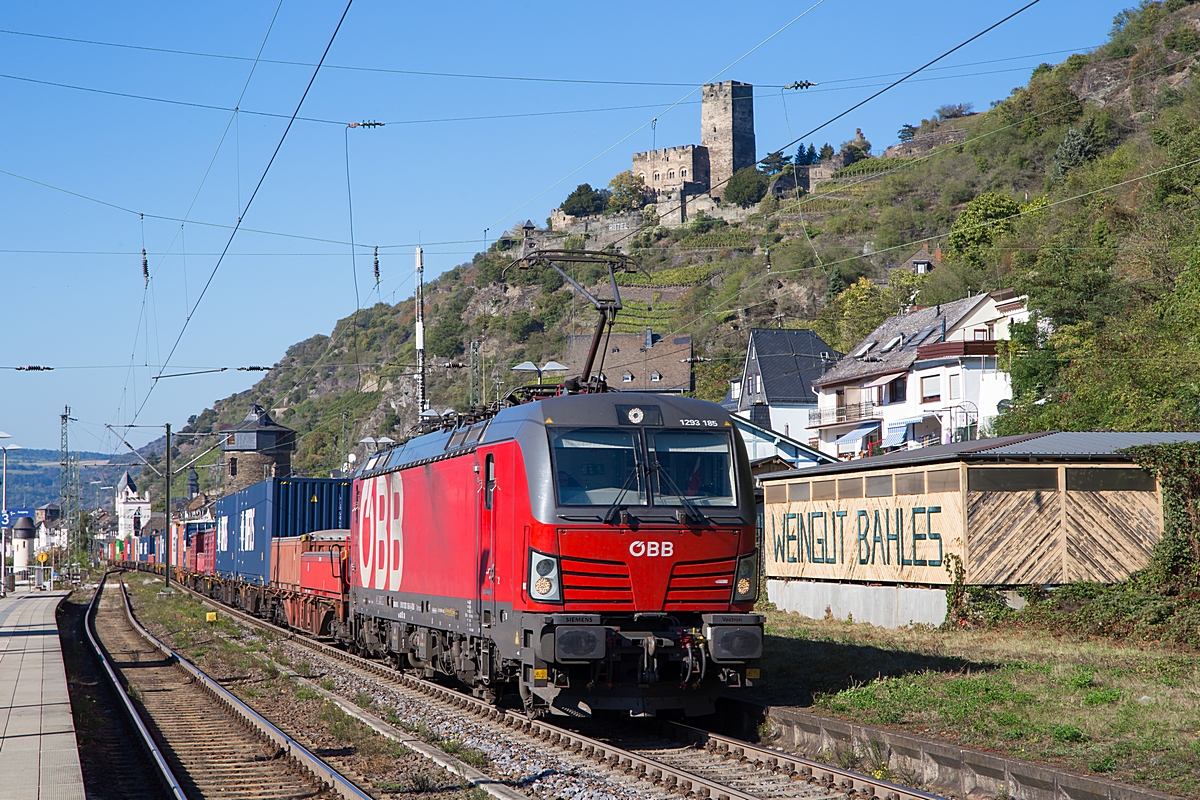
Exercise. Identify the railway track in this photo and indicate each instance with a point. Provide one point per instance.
(667, 758)
(205, 742)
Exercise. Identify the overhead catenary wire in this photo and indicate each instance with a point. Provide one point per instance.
(460, 75)
(249, 201)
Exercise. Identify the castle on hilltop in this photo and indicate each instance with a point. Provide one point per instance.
(726, 146)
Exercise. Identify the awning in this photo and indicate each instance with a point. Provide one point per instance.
(884, 380)
(850, 442)
(896, 436)
(912, 420)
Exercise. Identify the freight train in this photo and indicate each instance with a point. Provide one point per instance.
(581, 552)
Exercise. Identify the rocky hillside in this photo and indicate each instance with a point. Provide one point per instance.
(1077, 190)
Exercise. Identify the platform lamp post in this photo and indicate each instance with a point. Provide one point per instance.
(549, 366)
(4, 508)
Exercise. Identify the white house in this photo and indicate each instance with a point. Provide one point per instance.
(926, 377)
(131, 509)
(775, 389)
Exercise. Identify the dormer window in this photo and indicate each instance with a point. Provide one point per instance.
(866, 348)
(895, 340)
(655, 377)
(627, 377)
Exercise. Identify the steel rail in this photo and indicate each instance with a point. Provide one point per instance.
(292, 748)
(170, 782)
(797, 767)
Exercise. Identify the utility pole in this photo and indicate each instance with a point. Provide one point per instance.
(419, 300)
(67, 490)
(167, 529)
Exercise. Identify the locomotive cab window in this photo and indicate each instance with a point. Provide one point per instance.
(693, 465)
(489, 471)
(597, 466)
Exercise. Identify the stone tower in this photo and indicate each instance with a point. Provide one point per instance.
(727, 130)
(255, 449)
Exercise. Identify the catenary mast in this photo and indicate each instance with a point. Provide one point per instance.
(419, 299)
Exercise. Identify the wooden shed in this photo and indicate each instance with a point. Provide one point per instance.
(1042, 509)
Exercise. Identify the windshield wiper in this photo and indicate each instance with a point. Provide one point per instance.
(613, 508)
(691, 507)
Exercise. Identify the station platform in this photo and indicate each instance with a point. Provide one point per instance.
(39, 757)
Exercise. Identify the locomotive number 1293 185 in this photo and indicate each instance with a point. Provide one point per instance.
(699, 423)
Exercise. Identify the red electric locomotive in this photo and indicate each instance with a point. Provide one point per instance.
(587, 551)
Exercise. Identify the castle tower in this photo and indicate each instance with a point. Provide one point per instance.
(257, 448)
(727, 130)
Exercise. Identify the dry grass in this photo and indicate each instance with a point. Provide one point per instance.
(1128, 712)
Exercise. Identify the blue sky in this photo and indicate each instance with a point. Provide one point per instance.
(455, 157)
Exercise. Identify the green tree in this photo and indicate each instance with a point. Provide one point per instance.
(584, 200)
(1078, 147)
(746, 187)
(986, 217)
(774, 163)
(628, 192)
(826, 151)
(906, 132)
(837, 285)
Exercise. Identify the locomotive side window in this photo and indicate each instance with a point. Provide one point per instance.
(489, 476)
(695, 464)
(597, 466)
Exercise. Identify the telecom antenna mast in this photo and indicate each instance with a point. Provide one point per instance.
(419, 301)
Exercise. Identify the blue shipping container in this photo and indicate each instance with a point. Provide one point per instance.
(277, 507)
(226, 516)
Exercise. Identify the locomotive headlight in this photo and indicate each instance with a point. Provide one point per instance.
(544, 585)
(745, 580)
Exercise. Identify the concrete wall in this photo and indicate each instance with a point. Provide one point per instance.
(727, 129)
(885, 606)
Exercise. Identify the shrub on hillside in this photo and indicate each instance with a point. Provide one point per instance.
(746, 187)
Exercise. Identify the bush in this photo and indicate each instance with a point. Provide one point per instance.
(1184, 39)
(746, 187)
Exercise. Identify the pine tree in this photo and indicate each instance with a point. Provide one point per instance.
(1078, 147)
(837, 285)
(774, 163)
(826, 151)
(812, 155)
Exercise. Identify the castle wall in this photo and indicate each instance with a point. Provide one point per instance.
(925, 143)
(727, 130)
(670, 168)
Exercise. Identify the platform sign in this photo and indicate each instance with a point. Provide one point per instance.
(10, 517)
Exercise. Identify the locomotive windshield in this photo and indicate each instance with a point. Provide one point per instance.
(597, 466)
(607, 466)
(696, 466)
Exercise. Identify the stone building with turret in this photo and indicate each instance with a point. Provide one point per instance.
(129, 506)
(255, 449)
(726, 145)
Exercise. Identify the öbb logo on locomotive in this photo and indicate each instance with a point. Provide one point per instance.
(638, 549)
(558, 555)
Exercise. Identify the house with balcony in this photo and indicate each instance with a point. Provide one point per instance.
(926, 377)
(775, 389)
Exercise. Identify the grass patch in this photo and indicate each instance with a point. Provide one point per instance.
(307, 693)
(363, 700)
(1126, 710)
